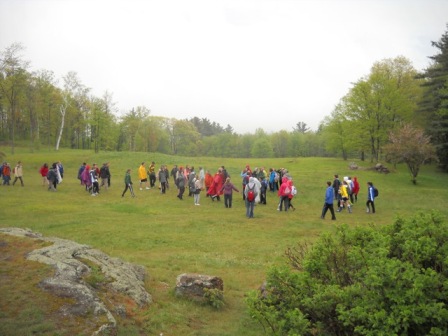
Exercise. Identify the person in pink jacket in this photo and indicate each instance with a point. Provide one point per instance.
(284, 192)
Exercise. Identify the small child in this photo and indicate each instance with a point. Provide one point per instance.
(128, 183)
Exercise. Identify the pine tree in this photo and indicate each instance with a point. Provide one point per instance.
(434, 106)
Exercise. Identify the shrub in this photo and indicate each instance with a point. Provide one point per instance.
(362, 281)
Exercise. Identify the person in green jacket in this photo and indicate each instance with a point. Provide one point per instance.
(128, 183)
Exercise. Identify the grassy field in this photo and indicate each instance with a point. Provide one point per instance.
(170, 237)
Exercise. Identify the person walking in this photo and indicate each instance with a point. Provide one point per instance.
(6, 173)
(250, 193)
(284, 192)
(128, 183)
(328, 202)
(143, 176)
(227, 189)
(356, 188)
(344, 202)
(43, 172)
(370, 197)
(52, 177)
(105, 175)
(18, 173)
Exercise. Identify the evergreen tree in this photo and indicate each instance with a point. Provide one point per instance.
(434, 107)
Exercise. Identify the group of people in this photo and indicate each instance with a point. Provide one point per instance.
(90, 176)
(255, 184)
(345, 194)
(52, 176)
(5, 173)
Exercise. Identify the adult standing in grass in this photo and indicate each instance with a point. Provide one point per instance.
(174, 174)
(201, 177)
(162, 179)
(105, 175)
(80, 171)
(336, 186)
(143, 176)
(128, 183)
(208, 182)
(197, 190)
(85, 178)
(328, 203)
(43, 172)
(52, 177)
(250, 201)
(180, 182)
(227, 189)
(215, 188)
(356, 188)
(152, 174)
(284, 192)
(370, 197)
(18, 173)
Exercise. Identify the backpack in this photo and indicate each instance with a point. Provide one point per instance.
(294, 190)
(349, 189)
(375, 192)
(251, 194)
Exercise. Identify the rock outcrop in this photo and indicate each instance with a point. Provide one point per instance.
(69, 260)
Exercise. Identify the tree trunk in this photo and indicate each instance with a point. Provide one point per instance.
(62, 109)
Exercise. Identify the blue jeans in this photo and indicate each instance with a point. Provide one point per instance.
(250, 209)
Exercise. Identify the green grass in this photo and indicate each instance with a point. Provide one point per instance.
(170, 237)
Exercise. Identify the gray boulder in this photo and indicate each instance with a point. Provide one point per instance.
(193, 286)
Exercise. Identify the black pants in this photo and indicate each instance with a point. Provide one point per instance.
(152, 180)
(263, 197)
(128, 186)
(96, 187)
(163, 186)
(368, 203)
(181, 192)
(325, 208)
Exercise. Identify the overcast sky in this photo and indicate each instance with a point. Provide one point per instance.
(252, 64)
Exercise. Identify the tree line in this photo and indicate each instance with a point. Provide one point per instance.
(36, 109)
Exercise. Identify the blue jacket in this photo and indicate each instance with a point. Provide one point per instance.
(370, 194)
(329, 195)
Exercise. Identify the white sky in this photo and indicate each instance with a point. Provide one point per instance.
(252, 64)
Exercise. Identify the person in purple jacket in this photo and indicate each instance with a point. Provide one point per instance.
(227, 189)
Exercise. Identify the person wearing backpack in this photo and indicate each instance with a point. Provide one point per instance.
(284, 192)
(370, 197)
(18, 173)
(250, 193)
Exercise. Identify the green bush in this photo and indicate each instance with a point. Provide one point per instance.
(391, 280)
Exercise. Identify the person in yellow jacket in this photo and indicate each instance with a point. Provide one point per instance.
(344, 198)
(143, 176)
